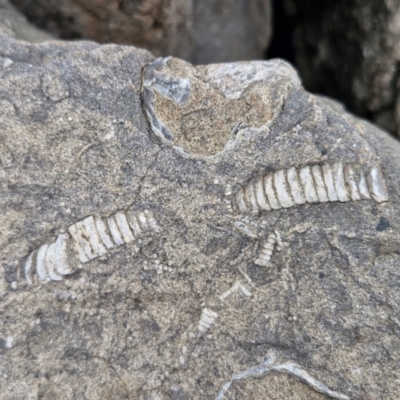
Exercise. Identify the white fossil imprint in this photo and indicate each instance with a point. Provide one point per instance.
(267, 250)
(207, 319)
(311, 184)
(267, 367)
(87, 239)
(235, 287)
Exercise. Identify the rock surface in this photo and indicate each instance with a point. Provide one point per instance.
(14, 24)
(200, 31)
(351, 51)
(212, 301)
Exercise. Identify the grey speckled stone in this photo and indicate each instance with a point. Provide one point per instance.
(318, 320)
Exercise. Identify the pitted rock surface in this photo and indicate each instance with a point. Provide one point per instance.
(76, 141)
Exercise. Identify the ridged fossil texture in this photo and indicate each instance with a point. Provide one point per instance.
(207, 319)
(266, 250)
(87, 239)
(311, 184)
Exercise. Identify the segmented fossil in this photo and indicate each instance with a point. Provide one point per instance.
(207, 319)
(235, 287)
(87, 239)
(266, 250)
(311, 184)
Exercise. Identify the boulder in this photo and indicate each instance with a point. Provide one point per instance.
(14, 24)
(350, 50)
(201, 31)
(180, 232)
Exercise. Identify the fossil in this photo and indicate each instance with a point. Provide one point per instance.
(235, 287)
(207, 320)
(87, 239)
(311, 184)
(266, 250)
(267, 367)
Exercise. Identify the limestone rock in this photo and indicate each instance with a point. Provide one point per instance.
(138, 255)
(200, 31)
(15, 25)
(350, 50)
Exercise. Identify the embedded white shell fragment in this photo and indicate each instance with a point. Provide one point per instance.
(207, 319)
(329, 182)
(124, 228)
(363, 187)
(152, 223)
(29, 266)
(240, 201)
(377, 186)
(87, 239)
(340, 184)
(41, 266)
(115, 232)
(307, 181)
(261, 197)
(250, 197)
(270, 192)
(96, 243)
(266, 250)
(349, 176)
(134, 223)
(104, 233)
(79, 241)
(51, 263)
(295, 186)
(282, 191)
(311, 184)
(235, 287)
(319, 184)
(65, 259)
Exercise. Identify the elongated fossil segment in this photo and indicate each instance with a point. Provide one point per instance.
(311, 184)
(207, 319)
(266, 250)
(87, 239)
(235, 287)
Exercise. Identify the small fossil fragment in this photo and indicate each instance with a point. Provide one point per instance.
(267, 250)
(311, 184)
(236, 286)
(206, 320)
(296, 371)
(87, 239)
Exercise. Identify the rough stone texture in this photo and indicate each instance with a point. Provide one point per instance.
(75, 141)
(200, 31)
(350, 50)
(15, 25)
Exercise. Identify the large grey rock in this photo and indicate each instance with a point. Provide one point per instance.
(14, 24)
(201, 31)
(210, 295)
(351, 50)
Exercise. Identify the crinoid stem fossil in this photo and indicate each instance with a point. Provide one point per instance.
(87, 239)
(311, 184)
(235, 287)
(207, 319)
(266, 250)
(289, 368)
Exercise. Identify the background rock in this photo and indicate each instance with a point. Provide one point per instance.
(197, 30)
(14, 24)
(350, 51)
(76, 142)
